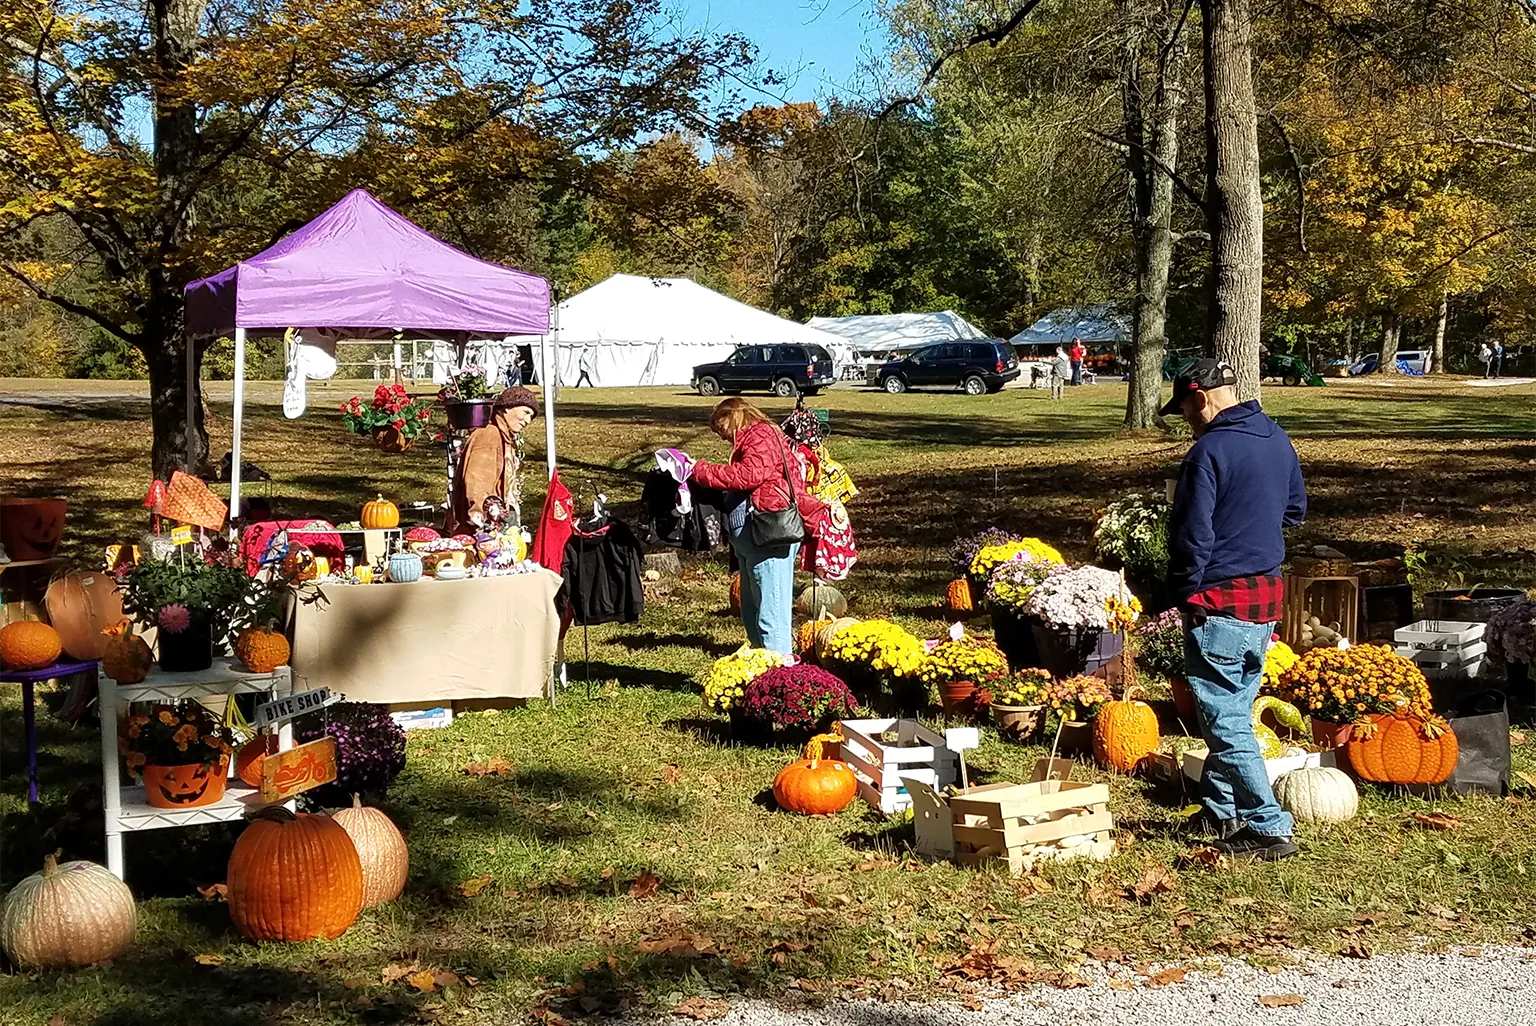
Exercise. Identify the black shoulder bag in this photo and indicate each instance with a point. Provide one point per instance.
(783, 528)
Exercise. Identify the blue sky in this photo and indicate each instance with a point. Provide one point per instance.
(825, 39)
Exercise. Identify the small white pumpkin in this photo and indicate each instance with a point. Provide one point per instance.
(1318, 794)
(67, 917)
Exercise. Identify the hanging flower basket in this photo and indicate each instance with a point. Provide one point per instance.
(470, 414)
(392, 419)
(390, 439)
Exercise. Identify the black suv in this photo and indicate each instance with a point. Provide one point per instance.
(976, 366)
(783, 370)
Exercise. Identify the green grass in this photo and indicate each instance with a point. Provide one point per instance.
(637, 779)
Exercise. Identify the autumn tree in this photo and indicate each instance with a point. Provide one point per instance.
(261, 113)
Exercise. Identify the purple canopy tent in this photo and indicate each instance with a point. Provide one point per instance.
(361, 267)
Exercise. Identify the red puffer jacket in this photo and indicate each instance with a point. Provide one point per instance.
(757, 466)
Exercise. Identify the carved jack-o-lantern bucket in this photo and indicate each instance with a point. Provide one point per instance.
(185, 787)
(31, 528)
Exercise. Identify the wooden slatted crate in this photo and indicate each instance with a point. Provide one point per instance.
(1017, 825)
(917, 753)
(1333, 600)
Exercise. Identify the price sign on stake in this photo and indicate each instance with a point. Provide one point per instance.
(298, 769)
(181, 535)
(280, 709)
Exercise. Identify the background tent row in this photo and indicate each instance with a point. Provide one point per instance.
(1101, 324)
(882, 333)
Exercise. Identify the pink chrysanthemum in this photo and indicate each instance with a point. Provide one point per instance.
(174, 618)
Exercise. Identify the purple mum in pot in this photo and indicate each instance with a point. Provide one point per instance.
(370, 750)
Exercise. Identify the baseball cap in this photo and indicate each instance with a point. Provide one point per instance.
(1200, 376)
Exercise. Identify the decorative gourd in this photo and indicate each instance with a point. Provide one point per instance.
(380, 848)
(379, 515)
(80, 606)
(29, 645)
(1318, 794)
(814, 786)
(824, 635)
(734, 603)
(805, 635)
(126, 658)
(958, 596)
(248, 760)
(67, 917)
(262, 649)
(1285, 714)
(820, 599)
(294, 878)
(1124, 733)
(1403, 749)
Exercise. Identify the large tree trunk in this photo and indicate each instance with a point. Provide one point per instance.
(1443, 315)
(167, 362)
(1390, 332)
(1151, 189)
(1235, 205)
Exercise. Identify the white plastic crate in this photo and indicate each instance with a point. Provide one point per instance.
(1447, 635)
(918, 752)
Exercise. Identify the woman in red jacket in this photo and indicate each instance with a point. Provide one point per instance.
(764, 470)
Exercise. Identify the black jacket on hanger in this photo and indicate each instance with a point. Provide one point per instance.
(702, 529)
(603, 570)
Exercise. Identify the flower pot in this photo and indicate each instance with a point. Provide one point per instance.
(1328, 735)
(188, 650)
(469, 414)
(1184, 701)
(1518, 676)
(749, 729)
(1076, 737)
(31, 528)
(405, 567)
(1018, 722)
(1069, 651)
(389, 439)
(956, 697)
(1016, 637)
(185, 787)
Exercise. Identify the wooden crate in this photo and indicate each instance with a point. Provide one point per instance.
(1017, 825)
(1333, 600)
(919, 754)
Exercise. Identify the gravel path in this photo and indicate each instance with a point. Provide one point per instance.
(1472, 987)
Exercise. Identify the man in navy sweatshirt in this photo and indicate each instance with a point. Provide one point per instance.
(1239, 485)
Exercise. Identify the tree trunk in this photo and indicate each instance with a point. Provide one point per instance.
(1151, 189)
(1390, 329)
(1442, 316)
(167, 362)
(1235, 205)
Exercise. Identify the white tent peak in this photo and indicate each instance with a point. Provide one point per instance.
(638, 330)
(877, 332)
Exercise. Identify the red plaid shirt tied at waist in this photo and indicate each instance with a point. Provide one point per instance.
(1258, 599)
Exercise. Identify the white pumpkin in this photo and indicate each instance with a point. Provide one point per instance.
(67, 917)
(1318, 794)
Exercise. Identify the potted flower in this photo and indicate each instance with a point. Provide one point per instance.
(393, 419)
(1009, 585)
(1072, 702)
(181, 752)
(1079, 614)
(1511, 636)
(192, 602)
(729, 676)
(959, 667)
(467, 399)
(963, 552)
(872, 655)
(1018, 705)
(1341, 688)
(1133, 532)
(794, 700)
(1158, 642)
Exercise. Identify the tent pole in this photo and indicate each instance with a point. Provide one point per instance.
(549, 389)
(234, 457)
(191, 391)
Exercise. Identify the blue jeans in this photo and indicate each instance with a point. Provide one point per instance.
(1224, 663)
(767, 589)
(1077, 372)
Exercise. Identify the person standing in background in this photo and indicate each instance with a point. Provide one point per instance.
(1498, 359)
(1078, 353)
(1061, 369)
(585, 363)
(1486, 355)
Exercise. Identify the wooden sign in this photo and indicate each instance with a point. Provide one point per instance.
(286, 708)
(298, 770)
(1051, 769)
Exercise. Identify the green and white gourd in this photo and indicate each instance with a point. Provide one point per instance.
(1286, 714)
(1318, 794)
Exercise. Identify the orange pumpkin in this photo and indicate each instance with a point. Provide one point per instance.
(188, 786)
(386, 862)
(958, 596)
(735, 595)
(814, 786)
(1124, 733)
(379, 515)
(29, 645)
(126, 658)
(1403, 749)
(248, 760)
(294, 878)
(262, 649)
(80, 606)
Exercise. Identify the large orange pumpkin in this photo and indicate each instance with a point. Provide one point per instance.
(249, 759)
(379, 515)
(386, 861)
(80, 606)
(29, 645)
(1403, 749)
(294, 878)
(958, 596)
(814, 786)
(1124, 733)
(126, 657)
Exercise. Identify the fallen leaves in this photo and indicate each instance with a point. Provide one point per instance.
(208, 959)
(1201, 856)
(1280, 1000)
(702, 1009)
(1528, 778)
(1436, 820)
(214, 892)
(1104, 954)
(429, 980)
(495, 766)
(679, 945)
(1116, 983)
(1355, 949)
(474, 885)
(671, 773)
(645, 885)
(1167, 976)
(1156, 878)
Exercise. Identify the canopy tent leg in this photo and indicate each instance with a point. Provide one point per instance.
(234, 456)
(191, 392)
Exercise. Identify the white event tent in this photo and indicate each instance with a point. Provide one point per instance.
(633, 330)
(878, 333)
